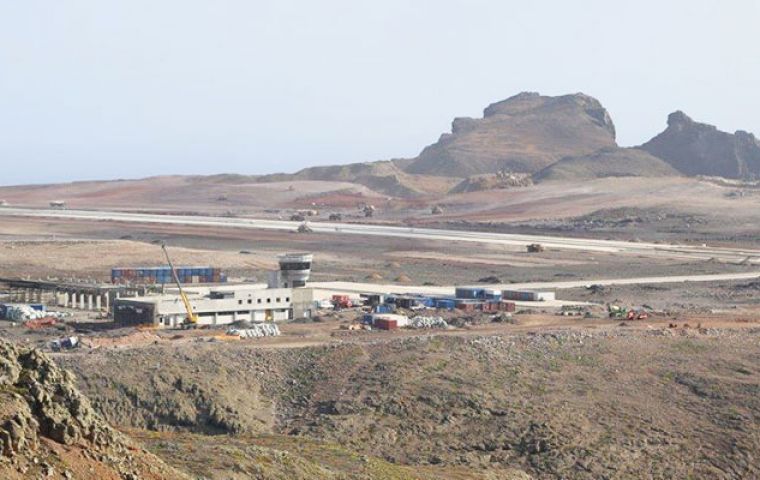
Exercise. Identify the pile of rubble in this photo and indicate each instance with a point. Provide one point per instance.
(24, 312)
(428, 322)
(256, 330)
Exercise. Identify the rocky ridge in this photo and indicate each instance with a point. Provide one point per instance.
(47, 428)
(695, 148)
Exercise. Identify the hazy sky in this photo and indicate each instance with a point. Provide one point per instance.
(122, 89)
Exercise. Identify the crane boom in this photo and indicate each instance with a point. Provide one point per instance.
(192, 318)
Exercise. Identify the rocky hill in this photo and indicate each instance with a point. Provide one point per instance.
(695, 148)
(524, 134)
(49, 430)
(609, 162)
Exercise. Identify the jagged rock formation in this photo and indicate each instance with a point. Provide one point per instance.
(524, 133)
(695, 148)
(609, 162)
(47, 428)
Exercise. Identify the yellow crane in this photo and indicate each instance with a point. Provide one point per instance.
(192, 318)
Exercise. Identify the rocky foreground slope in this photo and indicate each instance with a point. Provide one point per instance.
(49, 430)
(617, 403)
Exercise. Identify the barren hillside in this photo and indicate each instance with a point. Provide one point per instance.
(524, 133)
(571, 404)
(696, 148)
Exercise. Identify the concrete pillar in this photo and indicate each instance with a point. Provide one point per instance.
(107, 296)
(81, 301)
(89, 301)
(97, 302)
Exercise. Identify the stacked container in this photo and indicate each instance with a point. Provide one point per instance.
(469, 293)
(162, 275)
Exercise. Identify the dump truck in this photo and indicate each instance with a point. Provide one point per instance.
(535, 248)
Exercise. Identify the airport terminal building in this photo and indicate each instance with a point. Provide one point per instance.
(285, 297)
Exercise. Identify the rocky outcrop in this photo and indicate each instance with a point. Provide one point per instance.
(523, 134)
(45, 422)
(609, 162)
(695, 148)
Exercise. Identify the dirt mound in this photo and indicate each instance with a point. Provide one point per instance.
(403, 278)
(374, 276)
(47, 428)
(500, 180)
(610, 162)
(695, 148)
(524, 134)
(382, 176)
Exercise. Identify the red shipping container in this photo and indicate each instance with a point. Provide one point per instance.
(467, 307)
(386, 324)
(507, 306)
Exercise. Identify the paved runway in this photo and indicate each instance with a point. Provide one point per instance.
(562, 243)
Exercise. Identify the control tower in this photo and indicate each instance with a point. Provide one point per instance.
(295, 269)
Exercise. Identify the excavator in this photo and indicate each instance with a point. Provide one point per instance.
(192, 319)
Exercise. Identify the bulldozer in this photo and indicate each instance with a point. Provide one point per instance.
(535, 248)
(304, 228)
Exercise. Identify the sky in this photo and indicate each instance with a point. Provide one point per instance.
(106, 89)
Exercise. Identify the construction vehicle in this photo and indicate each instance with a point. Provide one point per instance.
(304, 228)
(369, 210)
(627, 314)
(535, 248)
(335, 217)
(341, 301)
(297, 217)
(192, 319)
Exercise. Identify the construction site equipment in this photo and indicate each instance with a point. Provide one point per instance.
(341, 301)
(335, 217)
(535, 248)
(192, 318)
(437, 210)
(39, 323)
(637, 315)
(304, 228)
(65, 343)
(297, 217)
(369, 210)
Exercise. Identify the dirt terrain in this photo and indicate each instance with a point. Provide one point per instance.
(587, 401)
